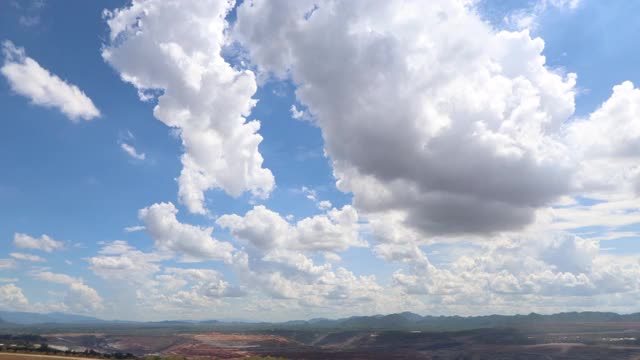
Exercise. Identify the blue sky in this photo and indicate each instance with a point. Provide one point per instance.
(72, 180)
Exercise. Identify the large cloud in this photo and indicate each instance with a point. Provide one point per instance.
(119, 261)
(174, 47)
(265, 229)
(515, 270)
(27, 78)
(424, 110)
(193, 242)
(608, 141)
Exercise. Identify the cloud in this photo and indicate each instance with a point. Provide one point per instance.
(515, 270)
(180, 288)
(134, 228)
(29, 21)
(298, 114)
(27, 257)
(146, 284)
(265, 229)
(528, 16)
(7, 264)
(43, 243)
(313, 196)
(79, 297)
(324, 205)
(27, 78)
(608, 143)
(194, 243)
(11, 297)
(459, 142)
(54, 277)
(131, 151)
(202, 96)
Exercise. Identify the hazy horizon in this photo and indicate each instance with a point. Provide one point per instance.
(281, 160)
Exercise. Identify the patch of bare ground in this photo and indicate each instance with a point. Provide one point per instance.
(18, 356)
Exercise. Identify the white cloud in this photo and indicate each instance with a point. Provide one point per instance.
(147, 286)
(608, 143)
(56, 278)
(120, 261)
(134, 228)
(528, 16)
(180, 289)
(7, 264)
(131, 151)
(514, 271)
(193, 242)
(298, 114)
(410, 121)
(313, 196)
(265, 229)
(82, 298)
(27, 78)
(11, 297)
(79, 298)
(203, 97)
(293, 278)
(43, 243)
(27, 257)
(324, 205)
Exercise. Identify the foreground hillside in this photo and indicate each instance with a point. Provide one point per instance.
(611, 340)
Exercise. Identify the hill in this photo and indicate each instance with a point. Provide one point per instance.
(405, 321)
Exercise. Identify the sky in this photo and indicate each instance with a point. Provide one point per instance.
(278, 160)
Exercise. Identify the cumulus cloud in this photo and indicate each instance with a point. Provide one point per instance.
(83, 298)
(277, 264)
(294, 278)
(265, 229)
(608, 142)
(79, 297)
(515, 270)
(183, 288)
(11, 297)
(43, 243)
(27, 78)
(144, 282)
(458, 141)
(27, 257)
(202, 96)
(194, 243)
(120, 261)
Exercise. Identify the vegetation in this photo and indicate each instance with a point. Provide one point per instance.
(28, 343)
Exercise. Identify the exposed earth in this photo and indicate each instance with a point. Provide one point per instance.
(579, 341)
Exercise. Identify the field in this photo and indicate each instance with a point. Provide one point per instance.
(12, 356)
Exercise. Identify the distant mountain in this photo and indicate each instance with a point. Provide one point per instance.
(28, 318)
(406, 321)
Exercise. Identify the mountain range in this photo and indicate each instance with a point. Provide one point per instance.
(406, 321)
